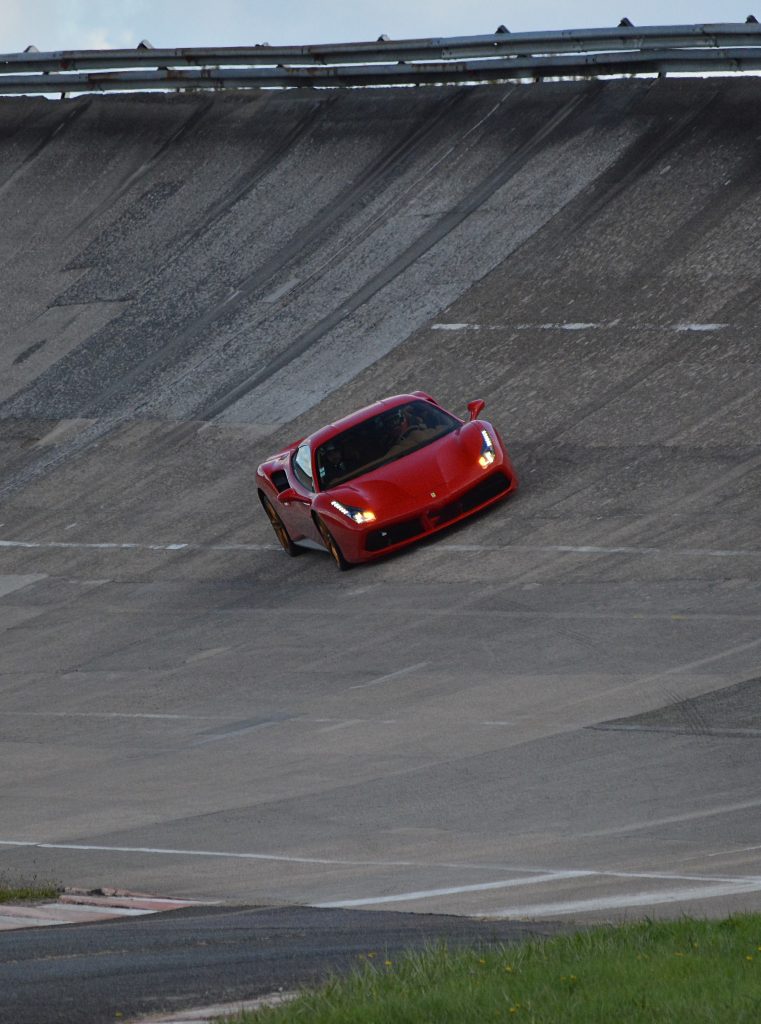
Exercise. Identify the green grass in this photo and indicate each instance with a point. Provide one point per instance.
(683, 971)
(27, 890)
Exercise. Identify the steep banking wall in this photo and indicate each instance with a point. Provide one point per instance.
(583, 255)
(238, 257)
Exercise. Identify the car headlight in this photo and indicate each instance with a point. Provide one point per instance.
(359, 515)
(488, 451)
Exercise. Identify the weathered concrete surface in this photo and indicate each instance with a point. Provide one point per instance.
(188, 282)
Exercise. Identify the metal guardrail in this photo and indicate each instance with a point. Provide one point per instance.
(626, 50)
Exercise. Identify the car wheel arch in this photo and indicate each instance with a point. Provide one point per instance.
(332, 545)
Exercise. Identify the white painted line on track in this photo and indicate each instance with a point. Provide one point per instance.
(134, 546)
(590, 549)
(288, 719)
(675, 819)
(354, 721)
(129, 546)
(643, 680)
(535, 871)
(735, 849)
(641, 899)
(708, 887)
(341, 723)
(572, 325)
(391, 675)
(670, 876)
(220, 1011)
(561, 549)
(699, 327)
(114, 714)
(424, 894)
(741, 648)
(225, 854)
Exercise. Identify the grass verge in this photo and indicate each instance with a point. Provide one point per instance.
(27, 890)
(689, 970)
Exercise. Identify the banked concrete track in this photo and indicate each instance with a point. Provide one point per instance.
(552, 711)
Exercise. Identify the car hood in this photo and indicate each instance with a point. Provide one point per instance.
(433, 472)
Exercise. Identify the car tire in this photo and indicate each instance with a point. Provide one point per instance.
(331, 544)
(281, 531)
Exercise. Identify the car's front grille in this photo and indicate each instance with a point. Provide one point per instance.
(377, 540)
(486, 489)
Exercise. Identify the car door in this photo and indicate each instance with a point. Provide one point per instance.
(297, 515)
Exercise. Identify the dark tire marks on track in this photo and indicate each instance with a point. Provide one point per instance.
(54, 132)
(94, 360)
(146, 166)
(468, 205)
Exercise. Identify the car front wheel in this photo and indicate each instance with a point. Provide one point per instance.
(333, 549)
(280, 529)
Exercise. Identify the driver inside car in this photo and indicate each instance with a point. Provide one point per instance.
(399, 424)
(333, 464)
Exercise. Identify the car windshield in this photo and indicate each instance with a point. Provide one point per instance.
(381, 439)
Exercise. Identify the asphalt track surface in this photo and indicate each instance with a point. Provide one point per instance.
(95, 975)
(550, 712)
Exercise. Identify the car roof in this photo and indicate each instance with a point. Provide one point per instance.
(332, 430)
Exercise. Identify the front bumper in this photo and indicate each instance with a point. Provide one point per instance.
(365, 544)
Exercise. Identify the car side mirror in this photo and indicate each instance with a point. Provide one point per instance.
(288, 495)
(476, 408)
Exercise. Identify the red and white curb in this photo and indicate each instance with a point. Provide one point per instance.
(83, 907)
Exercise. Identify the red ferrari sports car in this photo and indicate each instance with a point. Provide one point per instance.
(385, 476)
